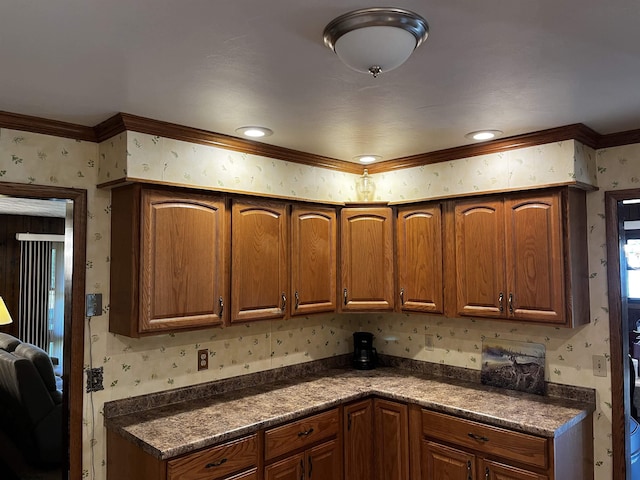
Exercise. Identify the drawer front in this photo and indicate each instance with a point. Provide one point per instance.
(215, 462)
(519, 447)
(301, 433)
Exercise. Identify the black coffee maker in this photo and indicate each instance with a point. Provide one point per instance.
(365, 356)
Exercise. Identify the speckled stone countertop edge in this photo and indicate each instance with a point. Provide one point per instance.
(127, 425)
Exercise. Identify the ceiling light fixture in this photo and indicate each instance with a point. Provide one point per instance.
(376, 40)
(366, 159)
(484, 134)
(254, 132)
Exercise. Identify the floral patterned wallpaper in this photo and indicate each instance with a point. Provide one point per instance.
(138, 366)
(164, 160)
(133, 155)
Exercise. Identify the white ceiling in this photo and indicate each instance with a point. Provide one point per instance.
(510, 65)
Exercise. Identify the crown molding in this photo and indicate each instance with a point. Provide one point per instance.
(619, 139)
(123, 122)
(127, 122)
(45, 126)
(577, 131)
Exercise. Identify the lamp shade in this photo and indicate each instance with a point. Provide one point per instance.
(376, 40)
(5, 318)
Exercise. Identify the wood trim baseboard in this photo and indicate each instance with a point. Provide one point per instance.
(122, 122)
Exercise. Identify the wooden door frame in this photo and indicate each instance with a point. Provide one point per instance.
(72, 393)
(617, 337)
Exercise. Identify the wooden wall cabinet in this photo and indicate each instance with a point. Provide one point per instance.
(521, 257)
(260, 261)
(420, 258)
(313, 260)
(168, 260)
(367, 259)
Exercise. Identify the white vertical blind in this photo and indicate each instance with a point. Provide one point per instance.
(35, 280)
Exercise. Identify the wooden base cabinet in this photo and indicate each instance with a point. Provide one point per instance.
(440, 461)
(321, 462)
(305, 449)
(460, 449)
(376, 440)
(235, 460)
(391, 433)
(358, 440)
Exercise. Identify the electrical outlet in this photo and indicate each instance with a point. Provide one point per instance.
(599, 366)
(428, 342)
(203, 359)
(94, 379)
(94, 305)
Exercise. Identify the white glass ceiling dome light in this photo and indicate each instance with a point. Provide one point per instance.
(376, 40)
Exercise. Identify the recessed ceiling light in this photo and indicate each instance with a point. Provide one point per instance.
(367, 159)
(254, 132)
(484, 134)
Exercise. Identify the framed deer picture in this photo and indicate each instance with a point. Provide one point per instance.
(513, 365)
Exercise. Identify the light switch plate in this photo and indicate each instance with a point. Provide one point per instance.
(599, 366)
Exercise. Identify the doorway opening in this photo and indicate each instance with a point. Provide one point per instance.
(622, 213)
(75, 201)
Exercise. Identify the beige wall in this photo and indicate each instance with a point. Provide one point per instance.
(137, 366)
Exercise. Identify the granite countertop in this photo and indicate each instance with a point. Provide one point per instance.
(175, 429)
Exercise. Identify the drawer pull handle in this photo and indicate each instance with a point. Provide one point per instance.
(297, 300)
(487, 474)
(217, 463)
(510, 302)
(402, 296)
(479, 438)
(306, 433)
(221, 303)
(500, 300)
(469, 471)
